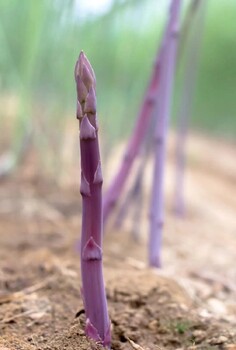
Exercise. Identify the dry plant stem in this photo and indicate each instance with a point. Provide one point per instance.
(163, 115)
(93, 291)
(133, 147)
(186, 101)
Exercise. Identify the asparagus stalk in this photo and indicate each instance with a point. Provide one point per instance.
(95, 304)
(133, 199)
(163, 112)
(134, 145)
(196, 14)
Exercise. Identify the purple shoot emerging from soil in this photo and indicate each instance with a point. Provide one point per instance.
(94, 297)
(163, 113)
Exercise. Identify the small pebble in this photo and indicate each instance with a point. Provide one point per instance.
(199, 334)
(153, 325)
(216, 341)
(217, 306)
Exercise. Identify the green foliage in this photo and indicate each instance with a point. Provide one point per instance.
(181, 327)
(216, 94)
(40, 42)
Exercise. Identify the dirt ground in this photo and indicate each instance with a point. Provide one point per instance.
(189, 304)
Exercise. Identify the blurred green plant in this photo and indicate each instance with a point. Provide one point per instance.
(215, 101)
(40, 42)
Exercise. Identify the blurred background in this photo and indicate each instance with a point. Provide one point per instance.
(40, 42)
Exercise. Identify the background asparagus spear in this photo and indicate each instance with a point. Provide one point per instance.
(143, 121)
(134, 145)
(192, 40)
(97, 320)
(133, 201)
(164, 102)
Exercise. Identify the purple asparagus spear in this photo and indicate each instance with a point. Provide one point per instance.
(134, 144)
(94, 297)
(196, 16)
(140, 129)
(163, 112)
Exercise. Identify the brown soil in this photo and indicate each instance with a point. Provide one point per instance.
(189, 304)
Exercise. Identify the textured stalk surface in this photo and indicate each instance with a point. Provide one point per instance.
(163, 115)
(93, 291)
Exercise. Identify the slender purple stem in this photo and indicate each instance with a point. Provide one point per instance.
(137, 206)
(186, 100)
(133, 199)
(163, 115)
(93, 291)
(133, 147)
